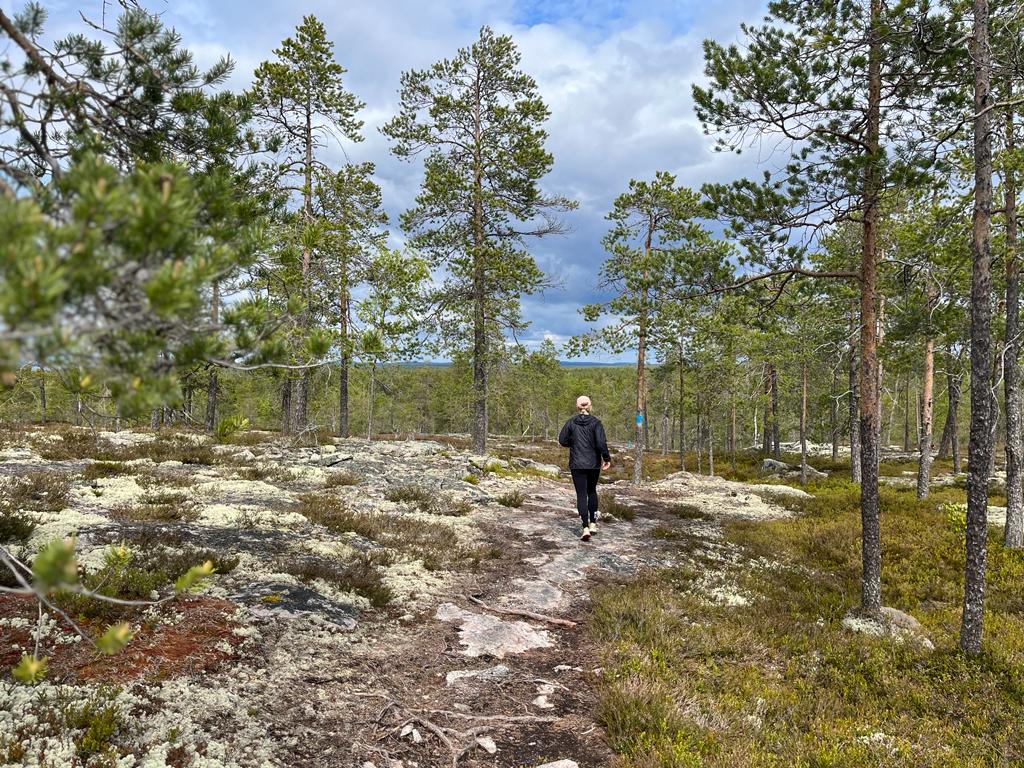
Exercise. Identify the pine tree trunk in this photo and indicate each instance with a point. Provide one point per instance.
(871, 538)
(302, 386)
(906, 417)
(980, 446)
(641, 402)
(833, 415)
(854, 401)
(210, 417)
(924, 465)
(767, 436)
(803, 423)
(42, 397)
(346, 357)
(1013, 532)
(732, 434)
(480, 426)
(682, 410)
(776, 447)
(711, 447)
(697, 440)
(286, 405)
(955, 437)
(370, 400)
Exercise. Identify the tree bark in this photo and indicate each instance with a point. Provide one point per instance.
(732, 434)
(711, 447)
(304, 381)
(370, 399)
(682, 410)
(833, 415)
(1013, 532)
(955, 437)
(906, 416)
(980, 445)
(803, 422)
(641, 402)
(776, 446)
(767, 436)
(286, 405)
(344, 299)
(871, 538)
(854, 400)
(480, 426)
(924, 466)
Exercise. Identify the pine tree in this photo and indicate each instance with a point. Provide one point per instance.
(841, 81)
(658, 249)
(479, 122)
(301, 104)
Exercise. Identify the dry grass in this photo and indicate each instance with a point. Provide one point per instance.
(511, 499)
(359, 575)
(779, 681)
(435, 545)
(342, 478)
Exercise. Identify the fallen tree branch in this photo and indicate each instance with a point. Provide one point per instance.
(525, 614)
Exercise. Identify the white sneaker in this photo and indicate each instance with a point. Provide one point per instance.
(585, 535)
(593, 526)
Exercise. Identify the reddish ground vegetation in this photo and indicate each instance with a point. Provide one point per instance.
(185, 645)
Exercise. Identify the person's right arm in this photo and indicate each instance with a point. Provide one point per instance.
(565, 436)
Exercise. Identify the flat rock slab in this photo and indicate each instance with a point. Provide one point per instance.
(490, 674)
(486, 635)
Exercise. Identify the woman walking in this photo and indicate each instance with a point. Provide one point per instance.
(583, 435)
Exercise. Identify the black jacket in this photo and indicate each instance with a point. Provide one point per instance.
(584, 437)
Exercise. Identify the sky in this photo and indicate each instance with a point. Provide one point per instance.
(616, 75)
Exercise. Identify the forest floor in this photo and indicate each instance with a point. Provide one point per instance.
(387, 603)
(404, 603)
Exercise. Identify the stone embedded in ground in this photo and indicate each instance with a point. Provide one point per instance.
(486, 635)
(560, 764)
(486, 743)
(892, 623)
(487, 463)
(551, 470)
(490, 674)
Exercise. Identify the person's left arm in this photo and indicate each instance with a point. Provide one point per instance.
(565, 436)
(602, 446)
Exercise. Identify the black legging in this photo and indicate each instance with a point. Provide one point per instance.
(585, 483)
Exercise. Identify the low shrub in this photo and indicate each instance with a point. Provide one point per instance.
(511, 499)
(342, 478)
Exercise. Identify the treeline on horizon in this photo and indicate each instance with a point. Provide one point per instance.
(172, 245)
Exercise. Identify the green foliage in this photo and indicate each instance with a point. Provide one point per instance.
(55, 566)
(195, 577)
(115, 638)
(30, 670)
(229, 426)
(611, 506)
(15, 527)
(511, 499)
